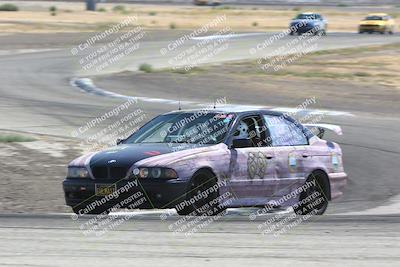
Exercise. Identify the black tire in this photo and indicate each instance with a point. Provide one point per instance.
(317, 204)
(291, 33)
(201, 181)
(96, 211)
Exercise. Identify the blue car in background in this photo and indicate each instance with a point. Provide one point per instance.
(311, 23)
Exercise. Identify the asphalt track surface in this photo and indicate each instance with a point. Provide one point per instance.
(36, 96)
(56, 240)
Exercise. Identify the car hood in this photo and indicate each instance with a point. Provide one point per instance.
(126, 155)
(303, 21)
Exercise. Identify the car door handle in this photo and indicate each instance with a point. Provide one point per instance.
(305, 155)
(269, 156)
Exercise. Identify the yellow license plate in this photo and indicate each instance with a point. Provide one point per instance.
(105, 189)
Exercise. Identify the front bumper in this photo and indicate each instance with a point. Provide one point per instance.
(304, 29)
(371, 28)
(156, 193)
(338, 181)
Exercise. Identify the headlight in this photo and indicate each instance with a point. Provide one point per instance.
(78, 172)
(155, 173)
(143, 173)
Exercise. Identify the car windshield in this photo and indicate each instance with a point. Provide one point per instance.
(195, 127)
(374, 18)
(307, 16)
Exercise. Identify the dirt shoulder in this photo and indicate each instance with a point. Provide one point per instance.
(71, 17)
(32, 173)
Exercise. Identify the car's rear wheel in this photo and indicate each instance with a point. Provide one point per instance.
(202, 196)
(314, 200)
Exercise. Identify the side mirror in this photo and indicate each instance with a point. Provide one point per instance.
(321, 132)
(119, 141)
(241, 143)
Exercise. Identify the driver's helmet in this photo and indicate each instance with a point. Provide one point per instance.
(242, 131)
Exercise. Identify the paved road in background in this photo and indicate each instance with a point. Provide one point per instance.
(36, 91)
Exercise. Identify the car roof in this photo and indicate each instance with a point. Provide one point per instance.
(230, 109)
(377, 14)
(309, 13)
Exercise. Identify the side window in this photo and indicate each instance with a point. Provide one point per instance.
(251, 128)
(284, 132)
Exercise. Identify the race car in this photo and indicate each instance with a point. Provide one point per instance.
(205, 161)
(311, 23)
(207, 2)
(380, 22)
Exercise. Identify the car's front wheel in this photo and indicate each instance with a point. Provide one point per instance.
(314, 199)
(202, 196)
(320, 33)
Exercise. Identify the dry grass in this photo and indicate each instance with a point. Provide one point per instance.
(370, 65)
(15, 138)
(373, 65)
(364, 65)
(34, 17)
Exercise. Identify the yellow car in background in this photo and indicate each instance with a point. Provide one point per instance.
(380, 22)
(207, 2)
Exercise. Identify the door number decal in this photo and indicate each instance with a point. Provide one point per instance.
(256, 165)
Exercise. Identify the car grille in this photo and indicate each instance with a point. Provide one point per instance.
(114, 173)
(370, 27)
